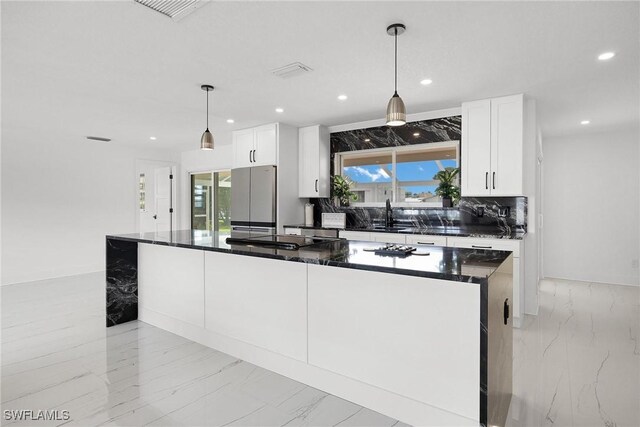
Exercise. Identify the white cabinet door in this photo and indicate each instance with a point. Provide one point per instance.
(476, 148)
(356, 235)
(507, 115)
(171, 282)
(388, 238)
(257, 300)
(243, 148)
(265, 149)
(387, 330)
(423, 239)
(309, 165)
(314, 161)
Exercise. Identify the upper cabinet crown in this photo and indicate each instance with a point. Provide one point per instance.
(255, 146)
(313, 164)
(492, 139)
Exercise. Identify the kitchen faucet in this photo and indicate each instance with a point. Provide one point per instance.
(388, 215)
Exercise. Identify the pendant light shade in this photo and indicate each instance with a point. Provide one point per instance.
(206, 141)
(396, 111)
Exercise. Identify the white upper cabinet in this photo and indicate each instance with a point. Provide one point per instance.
(313, 161)
(255, 147)
(492, 135)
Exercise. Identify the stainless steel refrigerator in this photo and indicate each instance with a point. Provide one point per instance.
(253, 201)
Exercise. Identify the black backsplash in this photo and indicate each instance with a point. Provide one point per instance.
(507, 214)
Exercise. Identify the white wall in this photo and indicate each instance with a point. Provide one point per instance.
(591, 207)
(59, 200)
(219, 158)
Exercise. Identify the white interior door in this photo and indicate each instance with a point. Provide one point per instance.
(164, 199)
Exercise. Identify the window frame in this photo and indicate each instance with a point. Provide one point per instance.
(393, 151)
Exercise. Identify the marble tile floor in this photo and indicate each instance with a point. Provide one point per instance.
(575, 364)
(57, 354)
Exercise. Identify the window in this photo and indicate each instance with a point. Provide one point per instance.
(142, 193)
(402, 174)
(211, 201)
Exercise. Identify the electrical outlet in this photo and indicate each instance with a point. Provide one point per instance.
(480, 211)
(504, 211)
(634, 263)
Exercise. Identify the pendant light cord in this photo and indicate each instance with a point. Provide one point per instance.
(207, 109)
(396, 61)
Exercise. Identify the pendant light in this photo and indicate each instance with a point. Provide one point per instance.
(396, 112)
(206, 142)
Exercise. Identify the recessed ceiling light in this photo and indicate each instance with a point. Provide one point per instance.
(605, 56)
(230, 121)
(416, 134)
(279, 110)
(426, 82)
(585, 122)
(153, 138)
(342, 97)
(367, 140)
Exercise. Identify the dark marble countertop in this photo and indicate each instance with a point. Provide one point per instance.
(456, 264)
(453, 231)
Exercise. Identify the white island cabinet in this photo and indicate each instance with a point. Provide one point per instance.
(427, 341)
(381, 329)
(248, 299)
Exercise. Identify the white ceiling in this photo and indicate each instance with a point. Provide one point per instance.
(120, 70)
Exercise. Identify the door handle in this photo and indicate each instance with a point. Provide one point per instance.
(505, 313)
(494, 180)
(480, 247)
(316, 185)
(250, 161)
(426, 243)
(254, 156)
(155, 217)
(486, 181)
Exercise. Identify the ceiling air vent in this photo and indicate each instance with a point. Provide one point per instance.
(291, 70)
(99, 138)
(174, 9)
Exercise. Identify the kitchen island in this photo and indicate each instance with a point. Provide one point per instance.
(425, 339)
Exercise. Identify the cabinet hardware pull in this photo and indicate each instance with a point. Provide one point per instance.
(426, 243)
(494, 180)
(316, 185)
(486, 181)
(505, 313)
(480, 247)
(254, 156)
(250, 161)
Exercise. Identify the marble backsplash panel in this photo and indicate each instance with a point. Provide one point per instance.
(508, 214)
(434, 130)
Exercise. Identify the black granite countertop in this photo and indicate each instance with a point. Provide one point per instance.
(461, 231)
(456, 264)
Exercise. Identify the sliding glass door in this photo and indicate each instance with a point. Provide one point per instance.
(211, 201)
